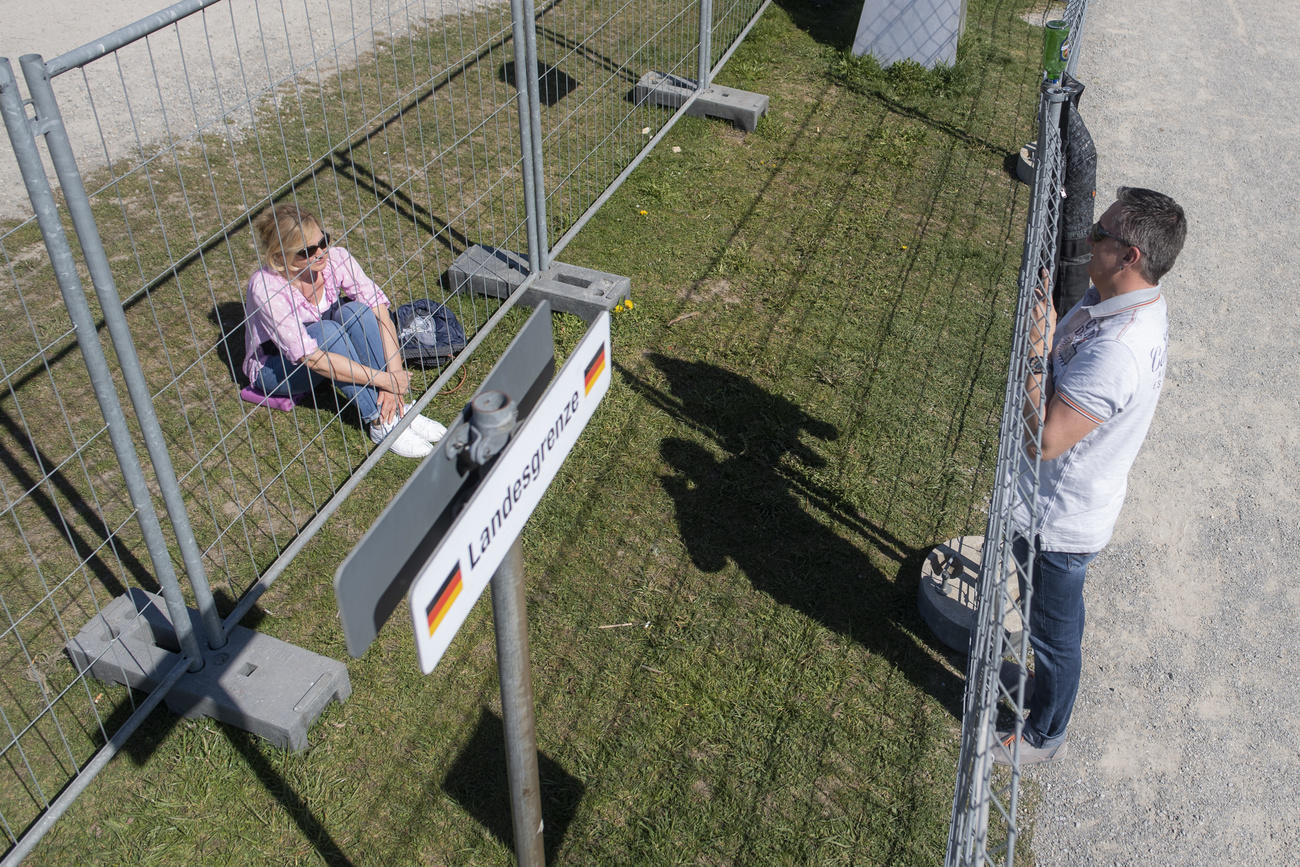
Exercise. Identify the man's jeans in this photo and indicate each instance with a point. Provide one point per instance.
(1056, 616)
(349, 329)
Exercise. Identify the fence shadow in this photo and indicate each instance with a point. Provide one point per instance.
(86, 533)
(159, 725)
(833, 23)
(478, 782)
(253, 749)
(747, 507)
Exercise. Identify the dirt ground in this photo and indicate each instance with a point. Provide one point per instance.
(1185, 745)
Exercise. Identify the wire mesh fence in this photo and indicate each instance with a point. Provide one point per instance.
(591, 141)
(1074, 15)
(985, 823)
(399, 126)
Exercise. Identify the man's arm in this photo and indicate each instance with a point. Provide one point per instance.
(1061, 424)
(1064, 427)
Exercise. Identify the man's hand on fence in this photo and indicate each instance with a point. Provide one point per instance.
(1042, 325)
(1043, 317)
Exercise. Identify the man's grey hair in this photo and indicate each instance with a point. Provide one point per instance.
(1155, 224)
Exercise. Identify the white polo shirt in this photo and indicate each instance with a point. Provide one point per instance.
(1108, 363)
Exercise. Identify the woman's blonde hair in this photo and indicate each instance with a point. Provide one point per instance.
(279, 233)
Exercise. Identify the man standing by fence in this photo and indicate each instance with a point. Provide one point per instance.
(1104, 366)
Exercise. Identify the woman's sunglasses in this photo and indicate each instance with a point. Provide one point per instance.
(312, 249)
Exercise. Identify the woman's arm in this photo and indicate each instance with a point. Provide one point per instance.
(392, 350)
(391, 402)
(340, 368)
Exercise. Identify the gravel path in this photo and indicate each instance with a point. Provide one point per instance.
(1184, 745)
(240, 49)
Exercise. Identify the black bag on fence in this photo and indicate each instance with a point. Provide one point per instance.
(428, 332)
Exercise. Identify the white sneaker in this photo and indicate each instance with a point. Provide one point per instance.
(407, 444)
(424, 427)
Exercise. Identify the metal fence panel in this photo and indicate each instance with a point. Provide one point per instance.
(404, 145)
(68, 517)
(985, 823)
(731, 20)
(398, 123)
(1074, 13)
(596, 129)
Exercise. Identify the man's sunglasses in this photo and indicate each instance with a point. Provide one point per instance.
(1097, 234)
(312, 249)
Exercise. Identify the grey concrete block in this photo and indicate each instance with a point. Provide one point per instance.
(256, 682)
(495, 273)
(741, 107)
(948, 594)
(488, 271)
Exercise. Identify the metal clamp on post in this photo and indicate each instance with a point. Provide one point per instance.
(492, 419)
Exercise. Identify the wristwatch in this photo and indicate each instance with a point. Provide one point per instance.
(1036, 365)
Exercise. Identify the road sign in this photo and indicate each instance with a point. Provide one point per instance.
(371, 581)
(445, 591)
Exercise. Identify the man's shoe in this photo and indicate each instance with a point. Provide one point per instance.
(407, 444)
(1005, 748)
(424, 427)
(1009, 674)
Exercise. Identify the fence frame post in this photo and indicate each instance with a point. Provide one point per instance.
(524, 85)
(524, 20)
(22, 135)
(706, 45)
(50, 123)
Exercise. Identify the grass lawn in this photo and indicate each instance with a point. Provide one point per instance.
(728, 662)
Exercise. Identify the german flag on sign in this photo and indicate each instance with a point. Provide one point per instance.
(595, 368)
(442, 600)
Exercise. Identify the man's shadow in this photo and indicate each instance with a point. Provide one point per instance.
(748, 507)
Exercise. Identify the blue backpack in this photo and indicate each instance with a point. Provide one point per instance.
(428, 332)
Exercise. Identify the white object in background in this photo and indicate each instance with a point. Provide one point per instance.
(922, 30)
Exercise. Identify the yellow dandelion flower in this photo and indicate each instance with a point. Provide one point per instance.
(643, 213)
(629, 304)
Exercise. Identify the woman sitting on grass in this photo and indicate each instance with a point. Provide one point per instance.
(313, 315)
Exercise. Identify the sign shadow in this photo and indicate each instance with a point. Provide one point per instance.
(477, 781)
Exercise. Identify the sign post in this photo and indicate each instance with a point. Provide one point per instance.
(509, 617)
(474, 494)
(492, 420)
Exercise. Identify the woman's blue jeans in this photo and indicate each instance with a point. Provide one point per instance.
(1056, 617)
(349, 329)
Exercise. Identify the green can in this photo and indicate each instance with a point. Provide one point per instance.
(1056, 48)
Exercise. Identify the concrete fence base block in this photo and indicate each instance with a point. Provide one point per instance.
(1025, 163)
(497, 273)
(741, 107)
(256, 682)
(949, 592)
